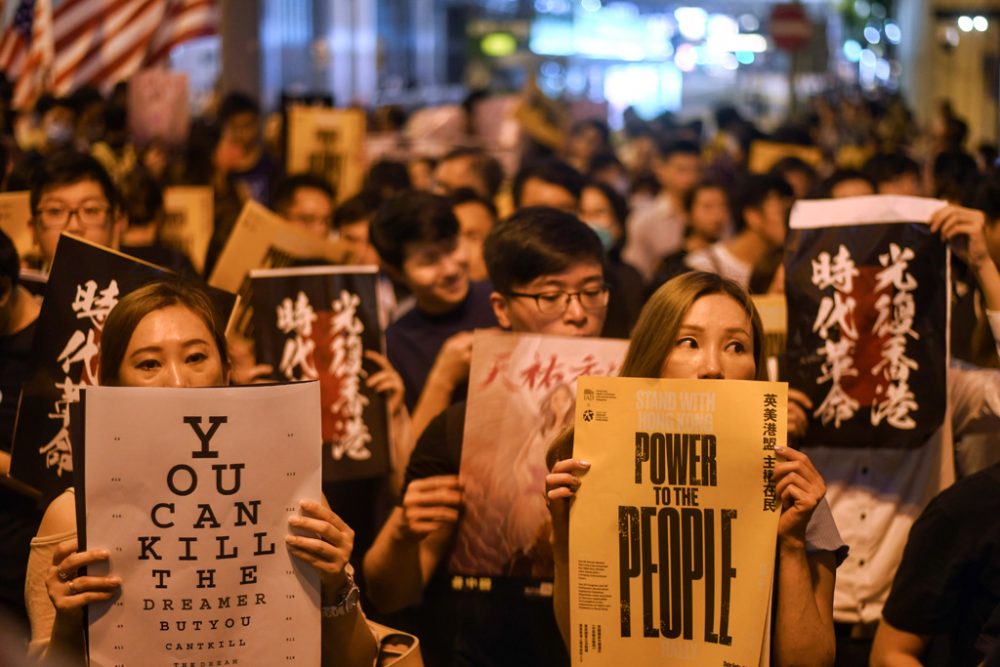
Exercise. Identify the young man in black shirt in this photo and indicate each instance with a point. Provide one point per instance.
(417, 238)
(536, 252)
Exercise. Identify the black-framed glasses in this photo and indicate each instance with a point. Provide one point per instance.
(557, 302)
(52, 217)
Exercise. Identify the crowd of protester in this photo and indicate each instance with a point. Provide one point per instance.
(635, 234)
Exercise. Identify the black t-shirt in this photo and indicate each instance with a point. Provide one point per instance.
(14, 366)
(948, 583)
(499, 628)
(414, 340)
(19, 515)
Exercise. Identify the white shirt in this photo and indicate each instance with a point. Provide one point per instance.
(717, 258)
(876, 494)
(654, 231)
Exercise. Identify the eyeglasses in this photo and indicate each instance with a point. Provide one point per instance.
(557, 302)
(56, 217)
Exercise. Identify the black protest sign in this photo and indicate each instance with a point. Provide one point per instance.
(867, 291)
(85, 283)
(316, 323)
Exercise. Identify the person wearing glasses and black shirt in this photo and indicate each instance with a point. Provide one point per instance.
(548, 278)
(71, 192)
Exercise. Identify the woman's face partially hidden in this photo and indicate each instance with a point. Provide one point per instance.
(172, 347)
(715, 341)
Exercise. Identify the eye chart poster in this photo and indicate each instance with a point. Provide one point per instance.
(191, 490)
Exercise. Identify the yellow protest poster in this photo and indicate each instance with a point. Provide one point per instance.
(189, 221)
(673, 531)
(330, 143)
(15, 215)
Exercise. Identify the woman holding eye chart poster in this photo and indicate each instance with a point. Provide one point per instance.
(701, 326)
(166, 335)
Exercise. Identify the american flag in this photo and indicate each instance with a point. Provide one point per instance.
(102, 42)
(26, 50)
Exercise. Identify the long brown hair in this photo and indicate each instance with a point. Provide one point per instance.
(125, 317)
(655, 333)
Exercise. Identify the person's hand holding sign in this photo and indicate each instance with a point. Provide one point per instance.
(325, 542)
(70, 591)
(431, 503)
(964, 230)
(801, 488)
(561, 485)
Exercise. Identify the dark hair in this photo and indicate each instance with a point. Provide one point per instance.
(550, 170)
(667, 148)
(142, 197)
(358, 208)
(754, 191)
(46, 102)
(284, 191)
(236, 103)
(387, 178)
(987, 197)
(790, 164)
(487, 167)
(537, 241)
(126, 316)
(956, 175)
(825, 189)
(467, 196)
(10, 263)
(599, 125)
(618, 204)
(412, 217)
(602, 161)
(691, 195)
(69, 168)
(886, 167)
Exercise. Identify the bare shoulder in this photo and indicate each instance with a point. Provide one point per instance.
(60, 516)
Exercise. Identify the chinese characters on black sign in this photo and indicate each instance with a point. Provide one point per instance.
(867, 290)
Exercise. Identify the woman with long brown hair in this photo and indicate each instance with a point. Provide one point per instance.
(702, 326)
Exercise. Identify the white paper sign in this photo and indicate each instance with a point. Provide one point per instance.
(190, 490)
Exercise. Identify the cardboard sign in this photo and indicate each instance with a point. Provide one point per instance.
(868, 301)
(262, 240)
(316, 323)
(673, 531)
(158, 107)
(15, 219)
(765, 154)
(184, 488)
(86, 282)
(190, 220)
(330, 143)
(521, 396)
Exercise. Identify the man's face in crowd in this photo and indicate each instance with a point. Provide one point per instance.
(854, 187)
(90, 217)
(355, 234)
(243, 129)
(678, 173)
(437, 274)
(312, 210)
(475, 222)
(770, 221)
(457, 173)
(537, 192)
(522, 315)
(709, 217)
(904, 184)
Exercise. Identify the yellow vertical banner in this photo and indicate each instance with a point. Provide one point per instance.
(673, 531)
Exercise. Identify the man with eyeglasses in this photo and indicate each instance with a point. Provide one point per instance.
(548, 278)
(306, 200)
(71, 192)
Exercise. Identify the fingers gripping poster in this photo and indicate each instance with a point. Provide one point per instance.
(867, 286)
(190, 490)
(521, 393)
(673, 530)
